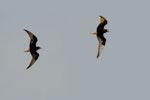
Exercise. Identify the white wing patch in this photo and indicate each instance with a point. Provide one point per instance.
(100, 47)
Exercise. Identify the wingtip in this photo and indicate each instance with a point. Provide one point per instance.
(27, 67)
(101, 16)
(25, 30)
(97, 56)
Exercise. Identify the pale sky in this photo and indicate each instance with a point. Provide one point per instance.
(67, 68)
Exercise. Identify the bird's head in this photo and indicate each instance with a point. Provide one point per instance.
(38, 48)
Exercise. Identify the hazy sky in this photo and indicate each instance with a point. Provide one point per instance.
(67, 68)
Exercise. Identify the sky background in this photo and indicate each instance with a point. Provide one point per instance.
(67, 68)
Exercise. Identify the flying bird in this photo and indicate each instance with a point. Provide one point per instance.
(100, 35)
(32, 48)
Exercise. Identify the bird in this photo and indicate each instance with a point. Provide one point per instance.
(100, 34)
(32, 48)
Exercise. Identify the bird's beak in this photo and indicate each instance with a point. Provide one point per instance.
(108, 31)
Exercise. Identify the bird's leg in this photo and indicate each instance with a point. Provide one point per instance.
(94, 33)
(27, 50)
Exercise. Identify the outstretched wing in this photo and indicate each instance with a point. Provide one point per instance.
(103, 22)
(33, 38)
(101, 46)
(35, 56)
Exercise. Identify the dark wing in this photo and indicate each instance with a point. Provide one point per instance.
(35, 56)
(101, 45)
(33, 39)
